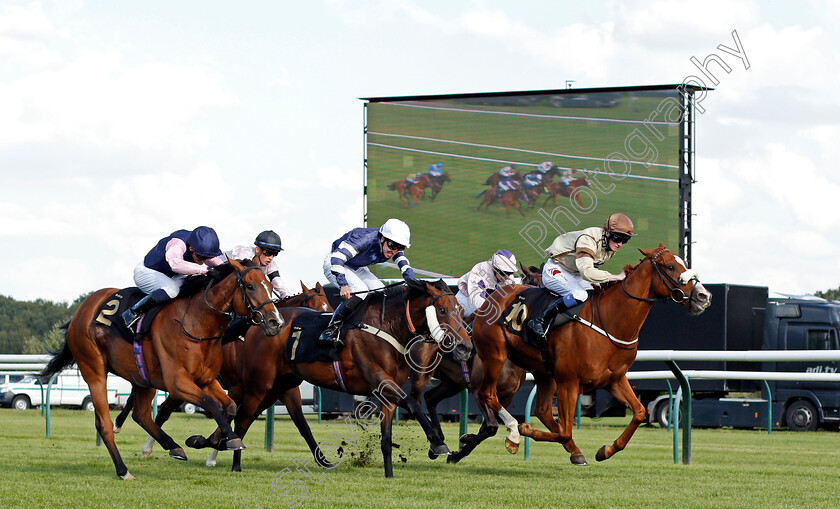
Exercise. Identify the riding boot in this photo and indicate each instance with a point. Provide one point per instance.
(132, 314)
(541, 324)
(342, 313)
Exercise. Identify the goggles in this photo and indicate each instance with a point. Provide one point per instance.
(394, 245)
(269, 252)
(620, 238)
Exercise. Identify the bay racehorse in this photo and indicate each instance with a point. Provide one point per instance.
(313, 298)
(592, 353)
(402, 328)
(182, 351)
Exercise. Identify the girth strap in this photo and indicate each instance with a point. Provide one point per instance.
(391, 340)
(605, 333)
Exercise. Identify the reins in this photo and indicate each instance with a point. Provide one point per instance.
(229, 314)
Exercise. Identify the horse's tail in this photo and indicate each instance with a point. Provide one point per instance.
(479, 195)
(60, 359)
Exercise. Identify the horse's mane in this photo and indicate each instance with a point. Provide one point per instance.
(214, 275)
(397, 296)
(628, 269)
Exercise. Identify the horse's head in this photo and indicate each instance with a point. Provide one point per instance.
(533, 275)
(256, 301)
(443, 318)
(673, 279)
(445, 178)
(315, 298)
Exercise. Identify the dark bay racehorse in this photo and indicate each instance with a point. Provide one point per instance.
(437, 184)
(453, 377)
(182, 350)
(593, 354)
(314, 298)
(369, 365)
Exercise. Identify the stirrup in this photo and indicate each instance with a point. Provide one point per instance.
(537, 326)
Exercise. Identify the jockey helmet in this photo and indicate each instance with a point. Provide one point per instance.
(504, 261)
(204, 242)
(396, 231)
(268, 240)
(619, 228)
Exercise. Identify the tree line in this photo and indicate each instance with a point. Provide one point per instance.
(33, 326)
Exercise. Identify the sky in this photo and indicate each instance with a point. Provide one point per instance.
(122, 122)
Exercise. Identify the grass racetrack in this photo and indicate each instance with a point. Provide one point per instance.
(730, 468)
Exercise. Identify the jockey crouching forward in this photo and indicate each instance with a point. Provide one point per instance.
(475, 286)
(347, 266)
(163, 270)
(262, 253)
(573, 265)
(435, 170)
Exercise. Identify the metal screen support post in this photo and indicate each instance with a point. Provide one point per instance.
(318, 389)
(685, 387)
(577, 412)
(528, 405)
(269, 428)
(465, 413)
(45, 403)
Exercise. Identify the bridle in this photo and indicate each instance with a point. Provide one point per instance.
(255, 314)
(676, 293)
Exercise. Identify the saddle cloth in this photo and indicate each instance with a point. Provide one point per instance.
(303, 344)
(530, 304)
(110, 313)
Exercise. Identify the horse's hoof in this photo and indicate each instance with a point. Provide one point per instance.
(432, 456)
(601, 455)
(196, 441)
(439, 450)
(178, 454)
(236, 468)
(454, 458)
(233, 445)
(117, 428)
(127, 477)
(511, 446)
(210, 463)
(467, 438)
(579, 460)
(525, 429)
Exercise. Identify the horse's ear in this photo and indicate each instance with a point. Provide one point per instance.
(236, 265)
(303, 287)
(662, 246)
(319, 287)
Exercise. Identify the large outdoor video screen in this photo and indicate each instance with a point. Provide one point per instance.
(598, 152)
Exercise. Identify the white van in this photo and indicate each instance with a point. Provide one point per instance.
(69, 389)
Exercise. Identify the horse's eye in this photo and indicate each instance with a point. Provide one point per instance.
(442, 311)
(249, 286)
(671, 268)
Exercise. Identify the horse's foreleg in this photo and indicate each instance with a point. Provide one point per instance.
(386, 444)
(184, 388)
(164, 412)
(560, 430)
(291, 398)
(142, 415)
(252, 406)
(623, 391)
(95, 376)
(436, 445)
(437, 394)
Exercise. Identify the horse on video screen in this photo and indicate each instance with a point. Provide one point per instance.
(508, 199)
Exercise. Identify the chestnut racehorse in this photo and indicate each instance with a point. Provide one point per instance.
(558, 188)
(368, 364)
(509, 199)
(410, 194)
(593, 353)
(182, 351)
(314, 298)
(436, 184)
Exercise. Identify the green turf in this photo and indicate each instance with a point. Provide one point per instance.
(730, 468)
(449, 236)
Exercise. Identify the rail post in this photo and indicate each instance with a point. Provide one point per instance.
(269, 428)
(527, 446)
(465, 414)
